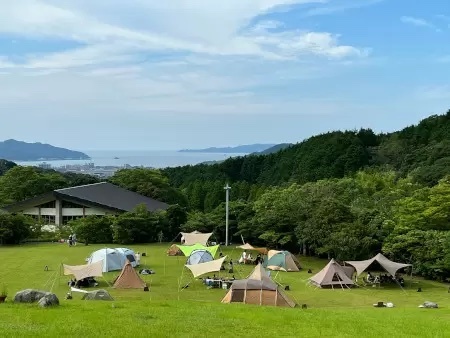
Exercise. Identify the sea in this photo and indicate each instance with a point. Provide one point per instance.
(151, 159)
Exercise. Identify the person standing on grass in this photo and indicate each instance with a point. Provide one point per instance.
(74, 239)
(137, 256)
(70, 240)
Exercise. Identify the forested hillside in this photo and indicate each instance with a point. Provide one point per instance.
(422, 150)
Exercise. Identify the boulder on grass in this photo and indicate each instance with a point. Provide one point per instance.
(43, 298)
(429, 305)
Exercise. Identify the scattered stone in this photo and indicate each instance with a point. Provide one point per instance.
(429, 305)
(43, 298)
(48, 300)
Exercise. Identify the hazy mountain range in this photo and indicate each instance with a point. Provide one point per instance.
(14, 150)
(244, 149)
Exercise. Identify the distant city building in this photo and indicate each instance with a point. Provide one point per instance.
(63, 205)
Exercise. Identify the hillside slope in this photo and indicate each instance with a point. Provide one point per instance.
(22, 151)
(422, 150)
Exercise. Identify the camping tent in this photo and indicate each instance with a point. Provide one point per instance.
(129, 279)
(331, 275)
(112, 259)
(250, 247)
(206, 267)
(282, 260)
(195, 238)
(199, 256)
(257, 289)
(84, 271)
(188, 249)
(390, 266)
(129, 254)
(97, 295)
(174, 250)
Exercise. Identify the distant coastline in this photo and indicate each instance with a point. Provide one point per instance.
(14, 150)
(242, 149)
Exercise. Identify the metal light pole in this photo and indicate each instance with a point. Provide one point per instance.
(227, 200)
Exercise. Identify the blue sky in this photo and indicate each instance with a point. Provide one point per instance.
(148, 74)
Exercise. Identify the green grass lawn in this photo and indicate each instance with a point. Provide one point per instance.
(166, 311)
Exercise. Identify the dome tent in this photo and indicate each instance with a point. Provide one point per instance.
(282, 260)
(199, 256)
(129, 254)
(112, 259)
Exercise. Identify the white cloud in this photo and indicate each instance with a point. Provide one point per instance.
(126, 61)
(418, 22)
(340, 6)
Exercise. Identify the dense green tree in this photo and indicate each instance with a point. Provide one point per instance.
(14, 228)
(149, 182)
(93, 229)
(20, 183)
(5, 166)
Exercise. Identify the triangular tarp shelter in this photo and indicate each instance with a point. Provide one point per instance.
(129, 255)
(257, 289)
(129, 279)
(282, 260)
(199, 256)
(203, 268)
(188, 249)
(97, 295)
(112, 259)
(174, 250)
(195, 238)
(84, 271)
(390, 266)
(250, 247)
(331, 275)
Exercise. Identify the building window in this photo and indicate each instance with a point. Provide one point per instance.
(67, 204)
(51, 204)
(67, 219)
(47, 219)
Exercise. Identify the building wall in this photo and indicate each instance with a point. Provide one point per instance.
(62, 215)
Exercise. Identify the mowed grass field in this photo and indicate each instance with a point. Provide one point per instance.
(167, 311)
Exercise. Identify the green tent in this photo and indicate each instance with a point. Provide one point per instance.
(282, 260)
(188, 249)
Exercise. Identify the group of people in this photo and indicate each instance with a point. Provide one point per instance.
(385, 279)
(83, 283)
(246, 258)
(72, 240)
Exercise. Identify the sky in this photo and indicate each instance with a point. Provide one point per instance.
(156, 75)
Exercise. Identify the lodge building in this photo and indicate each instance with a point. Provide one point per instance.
(63, 205)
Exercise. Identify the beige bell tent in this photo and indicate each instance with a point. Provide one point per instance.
(129, 279)
(330, 276)
(174, 250)
(282, 261)
(258, 289)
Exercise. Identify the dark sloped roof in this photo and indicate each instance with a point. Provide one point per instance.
(103, 195)
(111, 196)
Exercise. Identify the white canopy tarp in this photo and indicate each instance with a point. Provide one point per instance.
(191, 238)
(84, 271)
(202, 268)
(390, 266)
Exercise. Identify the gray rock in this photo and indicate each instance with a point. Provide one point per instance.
(429, 304)
(43, 298)
(48, 300)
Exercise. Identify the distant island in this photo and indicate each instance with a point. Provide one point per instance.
(14, 150)
(243, 149)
